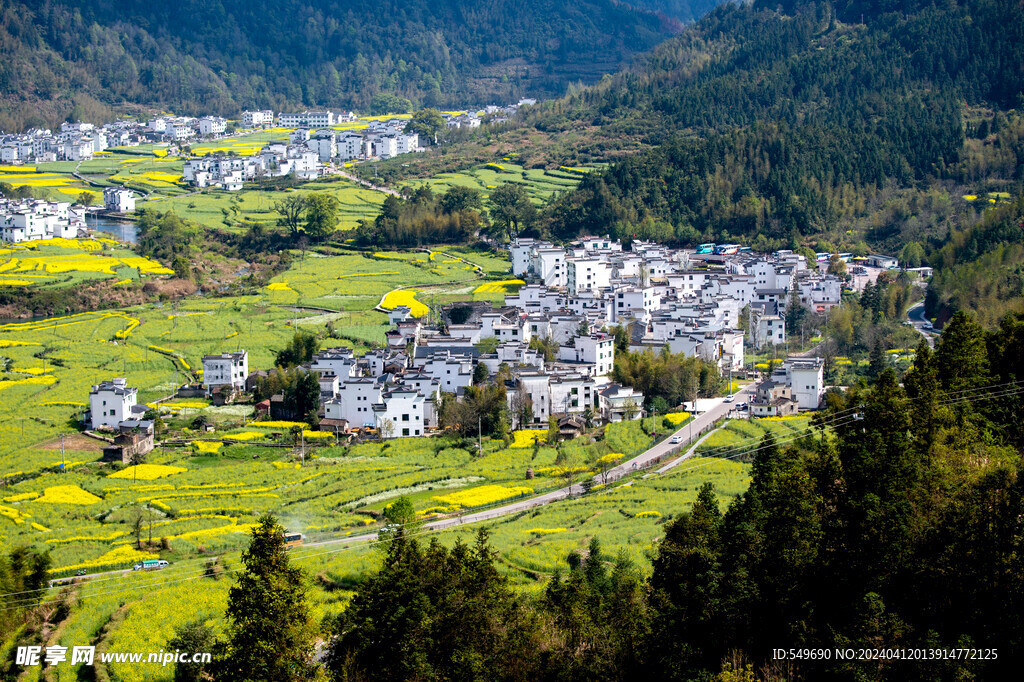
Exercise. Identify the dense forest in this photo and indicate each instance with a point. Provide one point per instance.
(805, 122)
(981, 269)
(216, 57)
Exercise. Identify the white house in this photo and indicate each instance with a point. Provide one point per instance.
(225, 369)
(212, 125)
(597, 350)
(354, 401)
(110, 403)
(620, 403)
(257, 119)
(118, 199)
(806, 380)
(404, 409)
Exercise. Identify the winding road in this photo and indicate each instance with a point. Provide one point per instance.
(692, 432)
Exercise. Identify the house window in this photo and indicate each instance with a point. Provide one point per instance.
(405, 432)
(405, 417)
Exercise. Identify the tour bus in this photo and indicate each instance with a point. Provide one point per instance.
(727, 249)
(822, 256)
(292, 540)
(706, 248)
(845, 257)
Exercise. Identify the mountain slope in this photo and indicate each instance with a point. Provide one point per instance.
(217, 56)
(801, 123)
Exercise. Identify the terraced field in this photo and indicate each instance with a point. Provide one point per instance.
(540, 184)
(52, 263)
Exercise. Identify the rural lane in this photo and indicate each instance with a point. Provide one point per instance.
(692, 431)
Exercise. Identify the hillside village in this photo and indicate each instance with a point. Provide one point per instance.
(573, 300)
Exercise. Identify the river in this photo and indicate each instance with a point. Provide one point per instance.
(119, 229)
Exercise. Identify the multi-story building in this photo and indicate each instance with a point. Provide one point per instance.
(225, 369)
(111, 403)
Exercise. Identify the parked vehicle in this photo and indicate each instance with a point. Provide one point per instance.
(730, 398)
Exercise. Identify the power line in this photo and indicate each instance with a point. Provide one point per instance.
(840, 418)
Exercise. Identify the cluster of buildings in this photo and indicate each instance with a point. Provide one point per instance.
(23, 220)
(688, 302)
(80, 141)
(74, 142)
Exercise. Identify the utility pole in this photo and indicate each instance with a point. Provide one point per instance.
(479, 436)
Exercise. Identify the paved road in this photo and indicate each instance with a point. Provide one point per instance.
(915, 314)
(691, 432)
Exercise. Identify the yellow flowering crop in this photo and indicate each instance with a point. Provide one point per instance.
(207, 446)
(21, 497)
(112, 535)
(67, 494)
(479, 496)
(147, 472)
(407, 298)
(12, 514)
(44, 380)
(545, 531)
(278, 425)
(613, 457)
(525, 438)
(245, 435)
(125, 554)
(500, 287)
(317, 434)
(676, 418)
(648, 514)
(279, 286)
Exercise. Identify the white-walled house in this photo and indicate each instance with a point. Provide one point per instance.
(354, 402)
(257, 119)
(806, 380)
(212, 125)
(225, 369)
(597, 350)
(118, 199)
(618, 403)
(111, 403)
(405, 409)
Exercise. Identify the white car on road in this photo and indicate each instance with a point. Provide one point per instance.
(676, 440)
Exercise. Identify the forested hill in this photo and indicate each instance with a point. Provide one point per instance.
(216, 56)
(804, 121)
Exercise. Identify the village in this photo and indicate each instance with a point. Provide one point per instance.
(573, 301)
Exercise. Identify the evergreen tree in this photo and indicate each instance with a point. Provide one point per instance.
(435, 613)
(269, 636)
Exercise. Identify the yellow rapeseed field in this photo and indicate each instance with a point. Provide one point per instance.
(500, 287)
(525, 439)
(406, 297)
(67, 494)
(125, 554)
(481, 495)
(147, 472)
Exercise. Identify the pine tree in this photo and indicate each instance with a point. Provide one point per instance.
(270, 636)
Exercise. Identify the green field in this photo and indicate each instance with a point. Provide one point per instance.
(540, 184)
(53, 362)
(738, 435)
(223, 209)
(205, 509)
